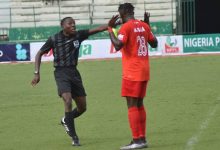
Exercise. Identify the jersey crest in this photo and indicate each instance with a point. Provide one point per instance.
(76, 44)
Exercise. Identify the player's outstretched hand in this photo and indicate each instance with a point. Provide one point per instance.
(113, 21)
(146, 18)
(35, 80)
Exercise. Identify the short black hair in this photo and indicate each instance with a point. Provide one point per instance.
(127, 8)
(64, 19)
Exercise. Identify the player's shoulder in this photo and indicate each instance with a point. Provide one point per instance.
(143, 24)
(126, 26)
(84, 32)
(54, 36)
(60, 33)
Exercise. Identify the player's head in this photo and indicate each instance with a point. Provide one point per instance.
(126, 11)
(68, 25)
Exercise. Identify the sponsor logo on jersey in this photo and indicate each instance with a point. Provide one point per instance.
(76, 44)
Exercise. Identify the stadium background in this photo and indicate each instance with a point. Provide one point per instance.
(25, 22)
(183, 94)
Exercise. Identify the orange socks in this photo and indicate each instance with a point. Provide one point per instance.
(134, 118)
(137, 121)
(142, 123)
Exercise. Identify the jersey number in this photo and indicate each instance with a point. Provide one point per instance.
(142, 50)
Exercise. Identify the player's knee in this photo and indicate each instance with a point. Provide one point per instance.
(68, 105)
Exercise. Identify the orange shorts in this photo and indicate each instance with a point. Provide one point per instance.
(133, 88)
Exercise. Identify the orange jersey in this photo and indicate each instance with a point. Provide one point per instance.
(135, 35)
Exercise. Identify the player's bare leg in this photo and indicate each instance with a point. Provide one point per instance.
(67, 99)
(68, 120)
(80, 104)
(76, 112)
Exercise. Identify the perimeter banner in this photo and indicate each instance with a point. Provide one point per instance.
(89, 49)
(103, 48)
(171, 45)
(14, 52)
(35, 47)
(96, 49)
(201, 43)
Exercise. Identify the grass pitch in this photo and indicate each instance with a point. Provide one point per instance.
(183, 106)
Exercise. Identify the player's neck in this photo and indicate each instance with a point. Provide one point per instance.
(66, 33)
(129, 18)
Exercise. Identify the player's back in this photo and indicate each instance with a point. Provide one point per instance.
(138, 37)
(135, 51)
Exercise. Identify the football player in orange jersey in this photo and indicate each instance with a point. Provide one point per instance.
(133, 39)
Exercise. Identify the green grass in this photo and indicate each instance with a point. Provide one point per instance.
(183, 101)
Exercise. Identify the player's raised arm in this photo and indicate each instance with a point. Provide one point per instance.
(111, 24)
(98, 29)
(104, 27)
(153, 43)
(146, 18)
(153, 40)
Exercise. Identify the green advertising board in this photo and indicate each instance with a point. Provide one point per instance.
(42, 33)
(28, 34)
(201, 43)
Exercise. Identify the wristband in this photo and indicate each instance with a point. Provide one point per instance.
(110, 29)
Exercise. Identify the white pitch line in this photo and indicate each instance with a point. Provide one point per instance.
(195, 138)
